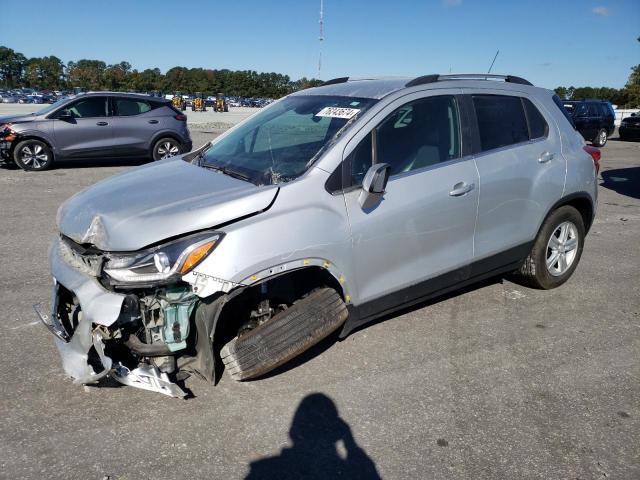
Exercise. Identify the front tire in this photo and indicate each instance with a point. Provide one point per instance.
(32, 155)
(284, 336)
(601, 138)
(556, 250)
(166, 147)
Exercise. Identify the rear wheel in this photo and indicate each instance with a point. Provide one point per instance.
(165, 148)
(285, 335)
(601, 138)
(556, 251)
(33, 155)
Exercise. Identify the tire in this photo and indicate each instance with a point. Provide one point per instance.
(32, 155)
(285, 335)
(535, 271)
(600, 139)
(166, 147)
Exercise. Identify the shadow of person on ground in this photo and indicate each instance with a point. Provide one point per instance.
(315, 432)
(625, 181)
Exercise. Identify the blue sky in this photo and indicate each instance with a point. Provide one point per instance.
(551, 43)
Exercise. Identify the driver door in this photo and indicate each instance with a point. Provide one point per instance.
(86, 131)
(419, 237)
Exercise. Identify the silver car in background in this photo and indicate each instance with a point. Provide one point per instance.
(328, 209)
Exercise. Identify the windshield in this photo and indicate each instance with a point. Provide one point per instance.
(51, 107)
(281, 142)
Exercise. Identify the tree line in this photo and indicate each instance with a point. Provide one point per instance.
(51, 73)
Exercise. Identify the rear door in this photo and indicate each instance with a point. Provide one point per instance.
(423, 226)
(88, 133)
(522, 174)
(135, 122)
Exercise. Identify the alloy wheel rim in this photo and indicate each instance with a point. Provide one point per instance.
(34, 155)
(562, 249)
(603, 137)
(167, 149)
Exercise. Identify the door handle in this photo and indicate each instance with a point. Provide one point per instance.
(153, 121)
(545, 157)
(102, 124)
(461, 188)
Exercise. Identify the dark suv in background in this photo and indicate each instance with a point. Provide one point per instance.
(95, 124)
(630, 128)
(594, 119)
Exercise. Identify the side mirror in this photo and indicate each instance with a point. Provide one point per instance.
(65, 115)
(374, 185)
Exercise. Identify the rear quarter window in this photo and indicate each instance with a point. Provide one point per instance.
(538, 127)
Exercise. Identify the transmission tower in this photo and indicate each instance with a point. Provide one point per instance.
(321, 38)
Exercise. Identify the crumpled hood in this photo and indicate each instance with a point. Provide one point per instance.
(160, 200)
(17, 118)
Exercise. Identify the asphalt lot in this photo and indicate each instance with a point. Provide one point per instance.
(497, 381)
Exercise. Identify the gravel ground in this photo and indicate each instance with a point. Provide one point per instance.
(496, 381)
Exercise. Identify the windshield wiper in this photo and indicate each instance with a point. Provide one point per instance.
(228, 171)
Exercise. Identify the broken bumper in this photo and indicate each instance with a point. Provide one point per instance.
(98, 306)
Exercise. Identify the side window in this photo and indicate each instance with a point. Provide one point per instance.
(416, 135)
(126, 107)
(419, 134)
(89, 108)
(593, 110)
(538, 127)
(501, 121)
(582, 110)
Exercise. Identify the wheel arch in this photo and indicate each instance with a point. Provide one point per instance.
(164, 134)
(32, 136)
(581, 201)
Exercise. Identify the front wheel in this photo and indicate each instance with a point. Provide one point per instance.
(166, 148)
(32, 155)
(601, 138)
(556, 250)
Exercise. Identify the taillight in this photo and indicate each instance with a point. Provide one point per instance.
(181, 117)
(595, 156)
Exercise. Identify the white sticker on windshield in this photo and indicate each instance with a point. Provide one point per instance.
(337, 112)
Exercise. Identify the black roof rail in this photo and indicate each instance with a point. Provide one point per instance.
(460, 76)
(422, 80)
(335, 80)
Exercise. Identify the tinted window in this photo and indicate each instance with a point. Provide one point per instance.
(593, 110)
(581, 110)
(125, 107)
(419, 134)
(89, 107)
(501, 121)
(537, 125)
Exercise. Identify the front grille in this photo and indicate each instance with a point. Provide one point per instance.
(80, 258)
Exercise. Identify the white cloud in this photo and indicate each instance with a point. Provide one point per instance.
(602, 11)
(452, 3)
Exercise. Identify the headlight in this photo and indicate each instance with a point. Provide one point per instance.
(163, 263)
(6, 133)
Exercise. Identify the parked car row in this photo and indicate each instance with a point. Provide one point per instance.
(28, 95)
(95, 124)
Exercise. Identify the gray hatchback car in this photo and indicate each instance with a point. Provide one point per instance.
(330, 208)
(95, 124)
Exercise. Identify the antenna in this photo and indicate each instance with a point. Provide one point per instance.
(321, 38)
(494, 61)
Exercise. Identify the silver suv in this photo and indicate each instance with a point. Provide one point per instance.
(94, 124)
(326, 210)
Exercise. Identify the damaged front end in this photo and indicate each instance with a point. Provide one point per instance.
(129, 315)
